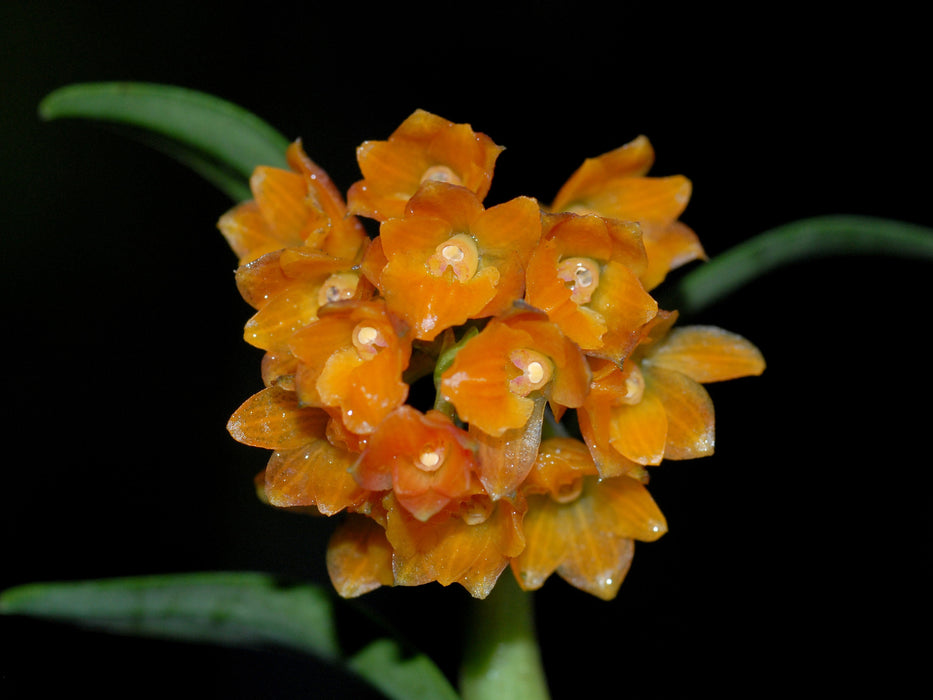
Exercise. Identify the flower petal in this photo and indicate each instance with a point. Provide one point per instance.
(505, 459)
(707, 354)
(690, 417)
(547, 542)
(282, 199)
(247, 233)
(634, 159)
(668, 248)
(598, 566)
(432, 304)
(623, 302)
(316, 474)
(272, 419)
(626, 509)
(359, 557)
(639, 431)
(447, 549)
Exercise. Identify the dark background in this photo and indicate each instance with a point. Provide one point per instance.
(798, 556)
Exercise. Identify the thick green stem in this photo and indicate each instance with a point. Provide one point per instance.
(502, 658)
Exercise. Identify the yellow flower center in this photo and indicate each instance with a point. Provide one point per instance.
(459, 253)
(634, 385)
(581, 276)
(367, 340)
(536, 371)
(338, 287)
(430, 459)
(441, 173)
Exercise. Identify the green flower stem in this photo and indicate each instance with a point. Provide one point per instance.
(805, 239)
(502, 658)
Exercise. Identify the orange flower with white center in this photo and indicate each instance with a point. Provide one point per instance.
(653, 406)
(615, 185)
(293, 208)
(305, 469)
(581, 526)
(500, 381)
(351, 359)
(585, 275)
(449, 259)
(287, 288)
(424, 148)
(424, 459)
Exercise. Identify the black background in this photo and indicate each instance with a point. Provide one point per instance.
(797, 557)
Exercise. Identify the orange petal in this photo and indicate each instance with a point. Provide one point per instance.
(345, 235)
(626, 509)
(458, 206)
(448, 550)
(317, 474)
(272, 419)
(598, 566)
(546, 543)
(668, 248)
(374, 390)
(707, 354)
(639, 431)
(282, 199)
(651, 201)
(505, 459)
(477, 381)
(634, 159)
(622, 300)
(359, 557)
(690, 417)
(584, 539)
(431, 304)
(513, 227)
(261, 278)
(283, 316)
(559, 468)
(247, 233)
(278, 368)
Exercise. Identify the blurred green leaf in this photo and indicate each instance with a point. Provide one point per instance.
(230, 609)
(218, 139)
(804, 239)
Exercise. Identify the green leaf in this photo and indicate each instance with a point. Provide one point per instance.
(383, 664)
(218, 139)
(805, 239)
(231, 609)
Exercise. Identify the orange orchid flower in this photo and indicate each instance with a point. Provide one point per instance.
(581, 526)
(585, 275)
(425, 148)
(351, 360)
(449, 259)
(305, 469)
(287, 288)
(653, 406)
(293, 208)
(499, 383)
(616, 185)
(424, 459)
(472, 546)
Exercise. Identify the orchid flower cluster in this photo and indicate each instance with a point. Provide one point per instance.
(472, 388)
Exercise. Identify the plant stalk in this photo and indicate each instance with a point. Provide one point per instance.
(502, 658)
